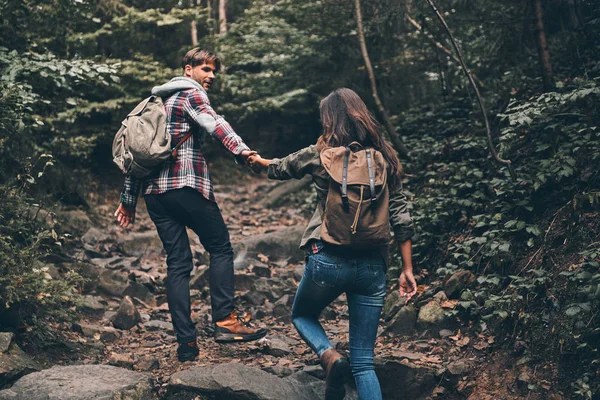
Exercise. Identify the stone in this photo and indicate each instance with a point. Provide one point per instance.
(112, 283)
(243, 282)
(91, 305)
(6, 339)
(279, 245)
(224, 381)
(403, 322)
(253, 298)
(127, 315)
(458, 368)
(147, 364)
(299, 272)
(279, 192)
(14, 363)
(138, 291)
(156, 325)
(458, 282)
(271, 288)
(93, 331)
(82, 382)
(141, 243)
(403, 378)
(200, 279)
(432, 317)
(444, 333)
(276, 346)
(262, 271)
(93, 236)
(393, 303)
(121, 360)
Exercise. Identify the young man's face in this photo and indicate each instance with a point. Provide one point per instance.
(203, 74)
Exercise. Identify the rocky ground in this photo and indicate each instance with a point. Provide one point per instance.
(124, 346)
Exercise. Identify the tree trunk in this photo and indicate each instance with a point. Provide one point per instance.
(194, 33)
(542, 45)
(222, 16)
(475, 89)
(393, 135)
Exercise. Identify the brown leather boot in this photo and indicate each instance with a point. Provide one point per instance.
(337, 369)
(235, 329)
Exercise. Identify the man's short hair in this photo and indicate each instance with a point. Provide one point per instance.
(197, 56)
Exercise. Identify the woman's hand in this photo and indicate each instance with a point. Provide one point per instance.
(257, 163)
(408, 285)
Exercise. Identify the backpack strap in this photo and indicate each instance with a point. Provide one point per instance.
(371, 176)
(174, 151)
(345, 202)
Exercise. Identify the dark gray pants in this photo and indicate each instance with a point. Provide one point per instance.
(172, 212)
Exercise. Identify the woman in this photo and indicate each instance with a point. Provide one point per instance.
(358, 272)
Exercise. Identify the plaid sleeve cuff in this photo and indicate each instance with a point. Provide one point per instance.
(131, 191)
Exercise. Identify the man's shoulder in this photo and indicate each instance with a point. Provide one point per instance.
(196, 96)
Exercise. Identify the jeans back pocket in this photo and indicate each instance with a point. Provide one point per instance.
(325, 274)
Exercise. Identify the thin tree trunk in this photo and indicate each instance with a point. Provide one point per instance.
(222, 16)
(439, 45)
(474, 86)
(194, 33)
(542, 45)
(393, 135)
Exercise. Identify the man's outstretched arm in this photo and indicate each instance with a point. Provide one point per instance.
(199, 109)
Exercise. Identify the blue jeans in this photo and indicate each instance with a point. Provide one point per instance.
(363, 280)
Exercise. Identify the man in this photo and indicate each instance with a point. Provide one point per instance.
(180, 195)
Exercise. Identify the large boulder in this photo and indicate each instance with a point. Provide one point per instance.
(82, 382)
(278, 193)
(403, 322)
(239, 382)
(14, 362)
(279, 245)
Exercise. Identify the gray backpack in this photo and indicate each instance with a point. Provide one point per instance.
(143, 143)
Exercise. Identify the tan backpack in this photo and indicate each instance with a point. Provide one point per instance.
(356, 211)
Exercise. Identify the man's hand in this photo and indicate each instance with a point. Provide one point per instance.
(408, 285)
(125, 215)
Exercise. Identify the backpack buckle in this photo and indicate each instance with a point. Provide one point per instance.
(345, 202)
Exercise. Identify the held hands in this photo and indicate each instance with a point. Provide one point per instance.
(125, 215)
(257, 163)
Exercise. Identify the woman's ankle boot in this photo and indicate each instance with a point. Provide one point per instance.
(337, 369)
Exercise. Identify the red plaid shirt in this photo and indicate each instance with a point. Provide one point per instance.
(186, 110)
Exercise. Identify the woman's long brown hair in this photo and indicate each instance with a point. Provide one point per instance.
(346, 119)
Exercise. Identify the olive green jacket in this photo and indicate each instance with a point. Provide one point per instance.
(307, 162)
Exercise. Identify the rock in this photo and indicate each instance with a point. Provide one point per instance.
(279, 245)
(141, 243)
(89, 271)
(6, 339)
(108, 336)
(440, 297)
(329, 314)
(444, 333)
(458, 282)
(271, 288)
(239, 382)
(299, 272)
(315, 370)
(404, 322)
(121, 360)
(156, 325)
(243, 282)
(74, 221)
(279, 192)
(91, 305)
(404, 380)
(14, 362)
(112, 283)
(138, 291)
(276, 347)
(432, 317)
(92, 331)
(253, 298)
(262, 271)
(147, 364)
(393, 303)
(458, 368)
(81, 382)
(127, 315)
(93, 236)
(200, 279)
